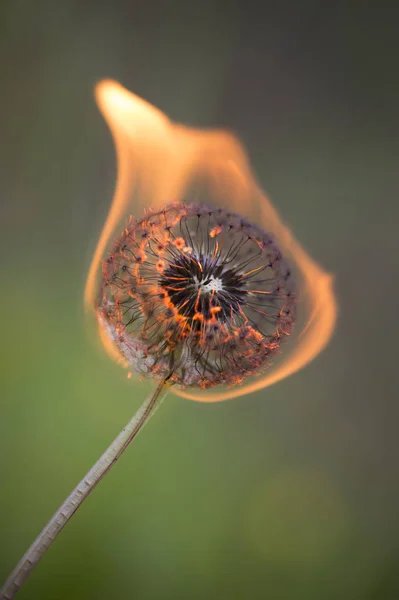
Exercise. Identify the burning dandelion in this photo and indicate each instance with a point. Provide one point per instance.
(193, 294)
(198, 293)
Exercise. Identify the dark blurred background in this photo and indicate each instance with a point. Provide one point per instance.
(289, 493)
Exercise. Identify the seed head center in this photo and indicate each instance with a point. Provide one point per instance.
(208, 284)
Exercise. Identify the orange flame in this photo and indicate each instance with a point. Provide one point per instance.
(160, 162)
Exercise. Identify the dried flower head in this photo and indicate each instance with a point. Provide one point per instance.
(197, 292)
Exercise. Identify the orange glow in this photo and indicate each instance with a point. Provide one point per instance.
(160, 162)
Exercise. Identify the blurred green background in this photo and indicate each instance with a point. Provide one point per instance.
(291, 492)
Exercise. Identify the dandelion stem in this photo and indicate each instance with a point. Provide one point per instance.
(81, 491)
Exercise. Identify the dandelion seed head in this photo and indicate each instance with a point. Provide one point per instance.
(198, 292)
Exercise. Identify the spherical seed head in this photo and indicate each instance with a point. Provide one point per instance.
(198, 292)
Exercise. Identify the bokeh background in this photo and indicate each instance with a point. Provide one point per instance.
(289, 493)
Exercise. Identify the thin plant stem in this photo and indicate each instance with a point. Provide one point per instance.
(44, 540)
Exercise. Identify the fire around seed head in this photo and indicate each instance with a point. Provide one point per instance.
(197, 294)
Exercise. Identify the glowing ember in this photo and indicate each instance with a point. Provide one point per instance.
(176, 300)
(160, 163)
